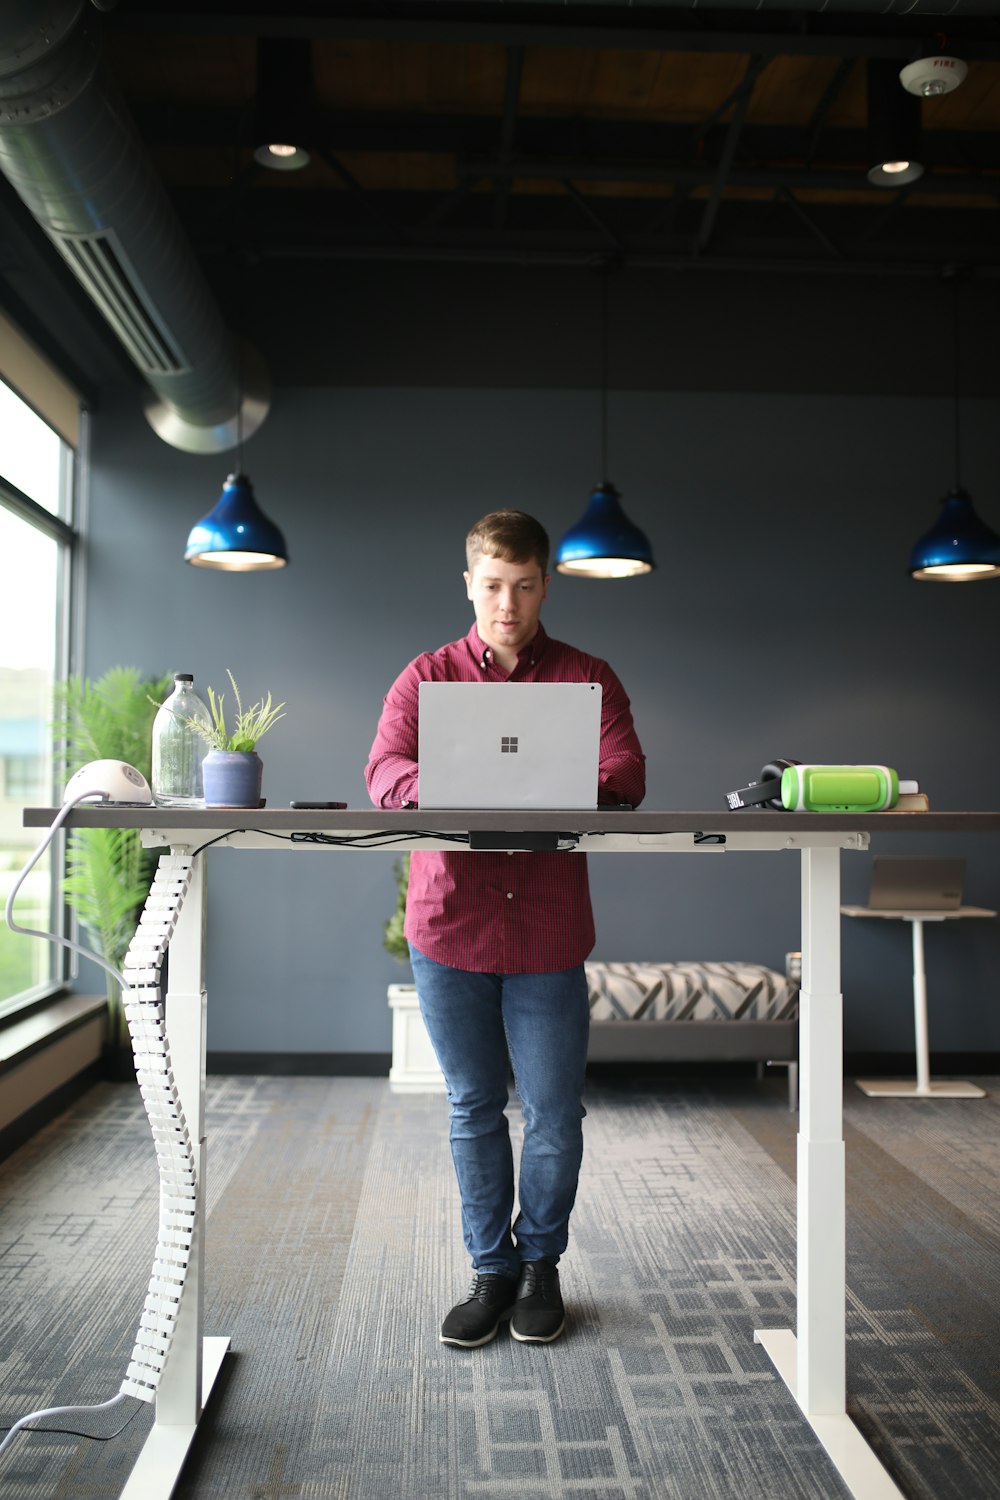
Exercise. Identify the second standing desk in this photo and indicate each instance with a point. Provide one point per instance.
(923, 1087)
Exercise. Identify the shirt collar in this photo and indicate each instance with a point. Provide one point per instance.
(528, 655)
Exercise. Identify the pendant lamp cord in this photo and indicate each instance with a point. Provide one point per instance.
(239, 407)
(956, 341)
(604, 375)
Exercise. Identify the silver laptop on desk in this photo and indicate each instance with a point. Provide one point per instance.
(509, 744)
(917, 884)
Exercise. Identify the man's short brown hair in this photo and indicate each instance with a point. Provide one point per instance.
(511, 535)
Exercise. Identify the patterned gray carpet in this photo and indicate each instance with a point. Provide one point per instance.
(334, 1247)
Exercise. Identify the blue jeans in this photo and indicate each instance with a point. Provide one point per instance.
(541, 1022)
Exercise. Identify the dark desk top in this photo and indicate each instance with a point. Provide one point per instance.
(284, 820)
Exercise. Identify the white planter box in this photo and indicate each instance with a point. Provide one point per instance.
(414, 1067)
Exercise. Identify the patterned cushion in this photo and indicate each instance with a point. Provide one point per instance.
(690, 992)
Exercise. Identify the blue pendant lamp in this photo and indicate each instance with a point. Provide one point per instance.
(959, 548)
(236, 536)
(604, 543)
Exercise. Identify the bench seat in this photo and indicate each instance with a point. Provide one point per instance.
(695, 1012)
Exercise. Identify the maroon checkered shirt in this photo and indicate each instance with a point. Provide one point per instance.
(501, 913)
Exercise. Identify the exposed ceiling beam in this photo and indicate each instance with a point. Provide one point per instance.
(511, 98)
(829, 97)
(473, 135)
(965, 184)
(739, 95)
(508, 127)
(765, 255)
(446, 203)
(807, 219)
(595, 218)
(688, 30)
(366, 200)
(742, 95)
(320, 224)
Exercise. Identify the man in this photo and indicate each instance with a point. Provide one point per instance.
(497, 943)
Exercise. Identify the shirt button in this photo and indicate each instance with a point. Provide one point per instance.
(510, 895)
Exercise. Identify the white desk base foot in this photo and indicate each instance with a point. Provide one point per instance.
(905, 1088)
(159, 1465)
(848, 1452)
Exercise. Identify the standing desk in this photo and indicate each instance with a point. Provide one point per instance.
(924, 1087)
(812, 1359)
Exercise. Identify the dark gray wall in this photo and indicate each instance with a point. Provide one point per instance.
(780, 620)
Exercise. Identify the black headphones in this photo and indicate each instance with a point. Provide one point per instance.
(766, 791)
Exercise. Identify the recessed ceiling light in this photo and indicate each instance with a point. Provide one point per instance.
(894, 173)
(279, 158)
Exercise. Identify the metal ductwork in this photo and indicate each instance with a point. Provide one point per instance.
(70, 150)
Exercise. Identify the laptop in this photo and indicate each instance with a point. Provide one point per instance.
(509, 744)
(917, 884)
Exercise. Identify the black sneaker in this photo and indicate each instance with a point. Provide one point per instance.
(476, 1320)
(539, 1315)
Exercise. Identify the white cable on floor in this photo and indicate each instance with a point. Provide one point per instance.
(58, 1411)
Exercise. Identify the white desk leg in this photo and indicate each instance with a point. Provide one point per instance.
(902, 1088)
(812, 1364)
(821, 1212)
(920, 1009)
(193, 1362)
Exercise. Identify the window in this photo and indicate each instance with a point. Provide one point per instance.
(33, 459)
(36, 549)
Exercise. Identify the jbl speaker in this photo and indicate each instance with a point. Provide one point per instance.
(794, 787)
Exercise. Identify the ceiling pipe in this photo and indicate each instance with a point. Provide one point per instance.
(72, 154)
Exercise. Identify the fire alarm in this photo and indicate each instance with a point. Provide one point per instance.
(930, 76)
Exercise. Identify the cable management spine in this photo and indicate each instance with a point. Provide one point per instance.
(145, 1013)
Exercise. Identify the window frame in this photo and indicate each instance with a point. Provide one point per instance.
(66, 533)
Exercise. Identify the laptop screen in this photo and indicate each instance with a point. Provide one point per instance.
(509, 744)
(917, 884)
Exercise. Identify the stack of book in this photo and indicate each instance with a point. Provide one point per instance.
(912, 802)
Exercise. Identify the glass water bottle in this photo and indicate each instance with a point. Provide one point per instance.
(178, 750)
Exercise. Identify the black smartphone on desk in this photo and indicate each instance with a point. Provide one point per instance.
(318, 806)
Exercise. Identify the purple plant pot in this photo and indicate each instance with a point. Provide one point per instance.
(232, 778)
